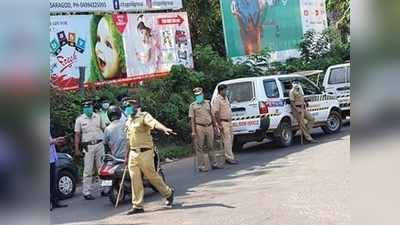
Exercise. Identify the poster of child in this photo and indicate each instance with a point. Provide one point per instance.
(108, 55)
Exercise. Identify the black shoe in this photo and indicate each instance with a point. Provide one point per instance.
(216, 167)
(135, 211)
(232, 161)
(312, 141)
(202, 169)
(89, 197)
(170, 199)
(58, 205)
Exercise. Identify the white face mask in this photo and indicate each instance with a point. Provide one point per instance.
(105, 105)
(297, 87)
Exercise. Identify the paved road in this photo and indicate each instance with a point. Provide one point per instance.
(298, 185)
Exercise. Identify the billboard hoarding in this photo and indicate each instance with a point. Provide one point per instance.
(62, 6)
(278, 25)
(117, 48)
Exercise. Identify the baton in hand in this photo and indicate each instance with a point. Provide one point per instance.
(121, 185)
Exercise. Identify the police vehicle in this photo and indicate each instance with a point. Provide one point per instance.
(337, 82)
(261, 108)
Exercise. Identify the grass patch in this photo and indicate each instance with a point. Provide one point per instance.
(175, 152)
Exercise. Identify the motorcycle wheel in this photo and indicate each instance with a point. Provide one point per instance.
(114, 193)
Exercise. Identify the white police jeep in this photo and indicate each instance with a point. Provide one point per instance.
(337, 82)
(261, 108)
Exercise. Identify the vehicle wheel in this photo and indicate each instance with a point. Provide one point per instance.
(333, 123)
(114, 193)
(163, 178)
(284, 134)
(66, 184)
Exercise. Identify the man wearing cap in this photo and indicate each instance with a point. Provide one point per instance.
(296, 97)
(223, 116)
(140, 155)
(203, 124)
(89, 134)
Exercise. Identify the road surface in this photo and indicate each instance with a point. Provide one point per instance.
(298, 185)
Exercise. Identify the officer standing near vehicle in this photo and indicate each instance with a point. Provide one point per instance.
(89, 134)
(296, 97)
(223, 115)
(203, 125)
(140, 155)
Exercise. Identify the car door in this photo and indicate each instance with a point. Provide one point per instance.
(338, 81)
(317, 104)
(245, 112)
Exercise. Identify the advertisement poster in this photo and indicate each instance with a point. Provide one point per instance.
(253, 25)
(117, 48)
(57, 6)
(161, 40)
(314, 15)
(70, 48)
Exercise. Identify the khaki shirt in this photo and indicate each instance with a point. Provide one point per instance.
(91, 129)
(139, 130)
(222, 106)
(296, 96)
(201, 112)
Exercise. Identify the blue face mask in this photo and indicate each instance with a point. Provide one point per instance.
(199, 99)
(88, 111)
(130, 110)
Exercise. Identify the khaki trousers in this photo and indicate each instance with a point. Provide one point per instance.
(92, 160)
(227, 139)
(143, 162)
(205, 134)
(302, 115)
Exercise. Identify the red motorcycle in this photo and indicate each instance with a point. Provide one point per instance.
(111, 175)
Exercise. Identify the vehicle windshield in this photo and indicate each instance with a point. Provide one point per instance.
(309, 88)
(240, 92)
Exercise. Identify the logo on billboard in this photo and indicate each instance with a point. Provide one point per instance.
(56, 45)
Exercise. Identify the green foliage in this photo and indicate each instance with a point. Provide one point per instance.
(339, 16)
(205, 23)
(175, 152)
(65, 107)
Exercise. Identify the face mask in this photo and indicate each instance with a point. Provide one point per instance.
(88, 111)
(105, 105)
(199, 98)
(130, 110)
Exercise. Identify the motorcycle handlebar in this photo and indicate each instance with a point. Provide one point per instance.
(113, 157)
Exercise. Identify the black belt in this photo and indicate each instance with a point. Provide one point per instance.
(140, 149)
(225, 120)
(299, 105)
(204, 125)
(94, 142)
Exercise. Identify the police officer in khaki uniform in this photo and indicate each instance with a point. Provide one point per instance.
(89, 134)
(203, 125)
(296, 97)
(223, 115)
(140, 155)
